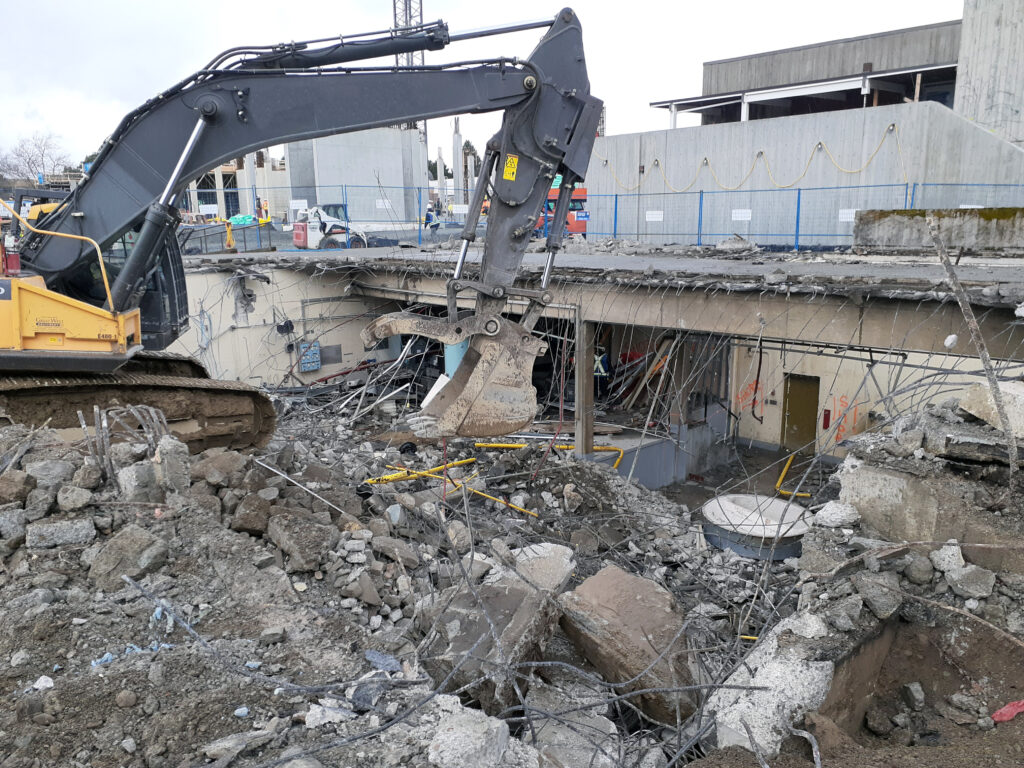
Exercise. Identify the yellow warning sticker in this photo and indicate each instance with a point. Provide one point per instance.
(511, 164)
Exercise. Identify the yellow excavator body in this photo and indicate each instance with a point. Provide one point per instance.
(35, 319)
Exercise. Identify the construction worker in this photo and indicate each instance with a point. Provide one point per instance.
(602, 372)
(432, 221)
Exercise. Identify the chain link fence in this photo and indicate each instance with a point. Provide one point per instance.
(351, 216)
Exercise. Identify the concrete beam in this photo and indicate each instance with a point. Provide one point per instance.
(917, 325)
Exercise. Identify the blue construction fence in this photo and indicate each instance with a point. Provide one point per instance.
(374, 216)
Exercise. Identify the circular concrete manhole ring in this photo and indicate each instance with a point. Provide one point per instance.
(748, 524)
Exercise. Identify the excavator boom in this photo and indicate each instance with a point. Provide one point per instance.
(250, 98)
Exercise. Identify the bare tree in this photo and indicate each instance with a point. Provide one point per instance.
(41, 153)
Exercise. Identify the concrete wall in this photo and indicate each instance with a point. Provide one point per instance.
(364, 161)
(918, 46)
(855, 398)
(990, 78)
(236, 336)
(934, 144)
(994, 229)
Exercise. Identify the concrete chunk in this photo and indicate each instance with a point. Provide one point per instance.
(397, 550)
(523, 619)
(468, 737)
(133, 551)
(50, 472)
(837, 514)
(881, 592)
(978, 402)
(251, 515)
(15, 485)
(621, 623)
(138, 483)
(546, 566)
(60, 533)
(171, 465)
(789, 686)
(71, 498)
(947, 557)
(302, 539)
(971, 581)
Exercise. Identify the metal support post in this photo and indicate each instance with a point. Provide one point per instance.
(796, 236)
(584, 386)
(348, 229)
(913, 195)
(419, 215)
(700, 217)
(615, 217)
(256, 208)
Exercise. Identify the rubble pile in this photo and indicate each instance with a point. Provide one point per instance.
(338, 600)
(168, 609)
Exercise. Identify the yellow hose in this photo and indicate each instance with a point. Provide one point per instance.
(597, 449)
(778, 484)
(405, 473)
(508, 504)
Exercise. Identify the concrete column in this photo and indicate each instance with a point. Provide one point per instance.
(584, 387)
(222, 208)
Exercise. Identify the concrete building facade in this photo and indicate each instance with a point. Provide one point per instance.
(990, 78)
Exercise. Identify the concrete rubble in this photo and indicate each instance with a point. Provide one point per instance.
(336, 621)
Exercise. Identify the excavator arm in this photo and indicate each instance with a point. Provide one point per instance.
(248, 99)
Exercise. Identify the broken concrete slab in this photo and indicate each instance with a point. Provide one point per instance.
(49, 473)
(15, 486)
(302, 539)
(138, 483)
(971, 581)
(923, 505)
(468, 737)
(546, 566)
(979, 402)
(396, 549)
(881, 591)
(793, 684)
(836, 514)
(59, 533)
(171, 465)
(567, 736)
(629, 627)
(133, 552)
(251, 515)
(464, 646)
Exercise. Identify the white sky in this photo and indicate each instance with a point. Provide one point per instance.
(76, 67)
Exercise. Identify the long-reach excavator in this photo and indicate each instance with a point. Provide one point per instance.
(85, 319)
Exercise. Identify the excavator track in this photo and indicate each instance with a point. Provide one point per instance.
(202, 412)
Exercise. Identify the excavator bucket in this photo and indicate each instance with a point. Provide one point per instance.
(491, 393)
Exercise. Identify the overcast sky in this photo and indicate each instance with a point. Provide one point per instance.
(75, 67)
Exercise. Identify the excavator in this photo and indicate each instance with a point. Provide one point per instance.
(99, 292)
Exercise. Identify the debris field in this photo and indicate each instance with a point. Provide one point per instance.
(334, 600)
